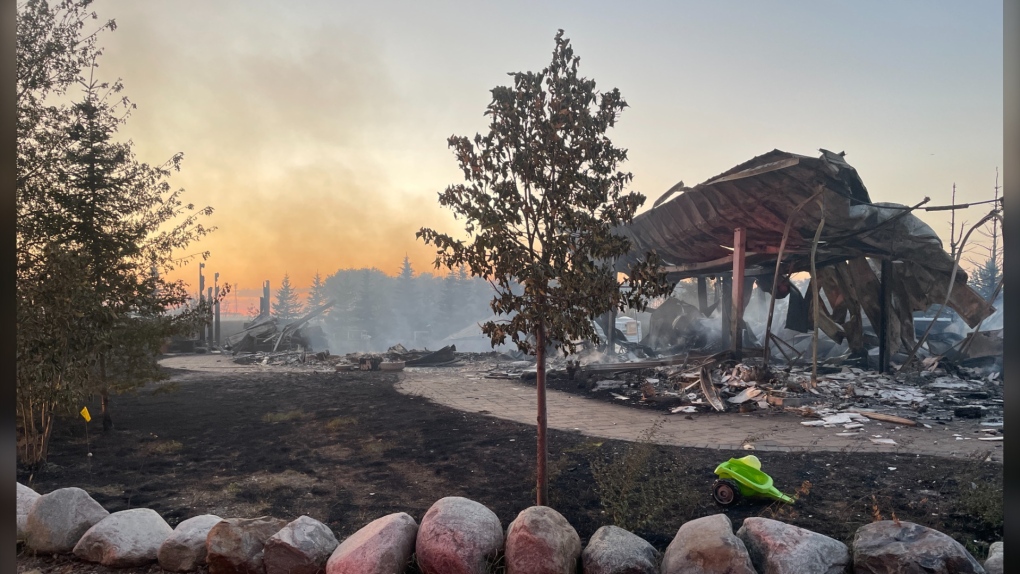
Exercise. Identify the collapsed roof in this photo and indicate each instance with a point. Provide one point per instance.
(693, 234)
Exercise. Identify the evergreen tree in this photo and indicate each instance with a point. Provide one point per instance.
(407, 303)
(95, 233)
(287, 306)
(450, 302)
(406, 272)
(986, 277)
(317, 295)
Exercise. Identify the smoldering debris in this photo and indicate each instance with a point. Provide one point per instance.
(265, 333)
(848, 397)
(396, 358)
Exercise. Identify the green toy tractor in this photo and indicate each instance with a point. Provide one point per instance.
(740, 477)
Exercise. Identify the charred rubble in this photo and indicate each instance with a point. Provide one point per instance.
(884, 327)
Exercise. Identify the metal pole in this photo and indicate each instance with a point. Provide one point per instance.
(775, 277)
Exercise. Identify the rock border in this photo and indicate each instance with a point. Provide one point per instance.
(393, 537)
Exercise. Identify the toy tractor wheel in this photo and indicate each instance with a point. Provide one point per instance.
(725, 492)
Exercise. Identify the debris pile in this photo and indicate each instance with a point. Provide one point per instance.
(265, 334)
(843, 396)
(394, 359)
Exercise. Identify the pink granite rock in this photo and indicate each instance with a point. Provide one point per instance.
(383, 546)
(457, 536)
(541, 541)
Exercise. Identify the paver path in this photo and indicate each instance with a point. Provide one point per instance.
(466, 389)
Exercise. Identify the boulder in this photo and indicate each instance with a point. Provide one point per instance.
(898, 547)
(184, 550)
(235, 545)
(779, 548)
(457, 536)
(26, 498)
(613, 550)
(57, 520)
(993, 564)
(383, 546)
(124, 539)
(707, 545)
(301, 547)
(541, 541)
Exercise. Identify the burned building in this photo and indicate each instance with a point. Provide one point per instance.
(766, 216)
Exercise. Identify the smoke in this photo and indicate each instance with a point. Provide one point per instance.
(282, 128)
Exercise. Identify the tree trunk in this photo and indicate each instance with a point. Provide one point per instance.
(542, 489)
(104, 393)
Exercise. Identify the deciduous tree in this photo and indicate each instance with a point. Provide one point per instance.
(541, 198)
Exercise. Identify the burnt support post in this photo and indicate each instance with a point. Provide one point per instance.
(737, 313)
(209, 326)
(703, 295)
(201, 297)
(726, 304)
(611, 333)
(216, 310)
(884, 306)
(265, 298)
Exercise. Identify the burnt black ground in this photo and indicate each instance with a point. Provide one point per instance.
(348, 448)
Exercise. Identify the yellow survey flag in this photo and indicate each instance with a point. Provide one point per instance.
(85, 414)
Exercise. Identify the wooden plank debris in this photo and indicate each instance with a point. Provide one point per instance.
(708, 390)
(890, 419)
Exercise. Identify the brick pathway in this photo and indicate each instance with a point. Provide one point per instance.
(466, 389)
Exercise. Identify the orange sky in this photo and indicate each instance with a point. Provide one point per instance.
(318, 131)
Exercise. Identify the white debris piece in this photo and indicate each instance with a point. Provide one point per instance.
(745, 395)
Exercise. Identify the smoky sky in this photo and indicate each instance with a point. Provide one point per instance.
(280, 134)
(317, 130)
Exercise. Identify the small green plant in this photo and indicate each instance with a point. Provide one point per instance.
(163, 447)
(979, 498)
(282, 417)
(636, 487)
(338, 423)
(779, 510)
(166, 388)
(375, 446)
(496, 564)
